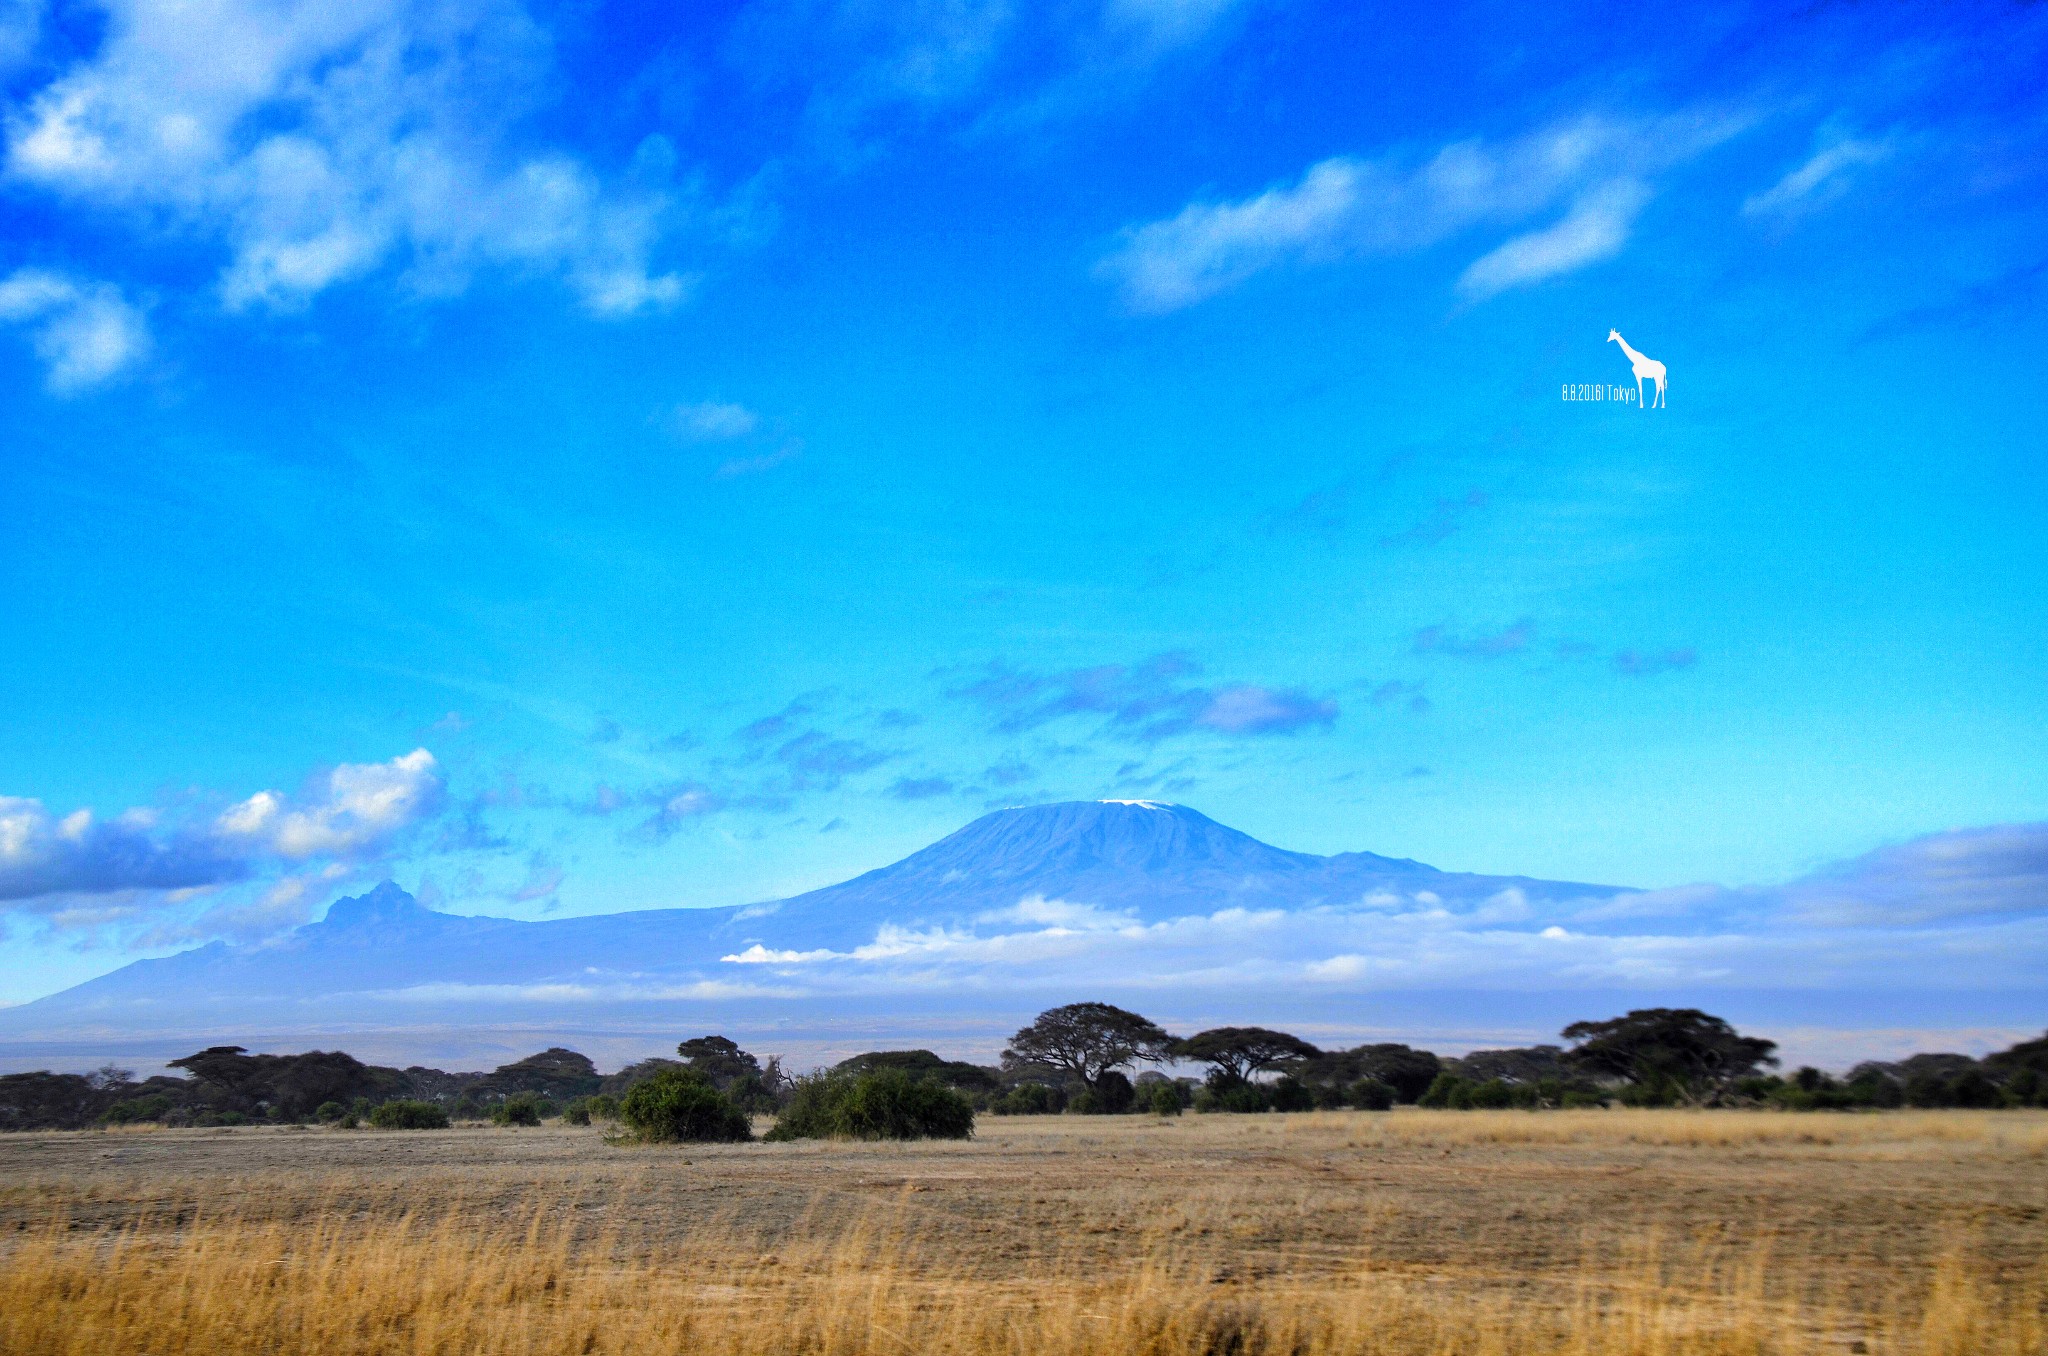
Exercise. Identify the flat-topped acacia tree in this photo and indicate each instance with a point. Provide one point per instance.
(1087, 1040)
(1238, 1052)
(1691, 1052)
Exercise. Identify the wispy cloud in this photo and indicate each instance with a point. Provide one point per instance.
(2001, 870)
(1644, 664)
(920, 788)
(1445, 517)
(1345, 207)
(86, 333)
(1596, 228)
(1148, 701)
(712, 421)
(1823, 178)
(1481, 645)
(992, 64)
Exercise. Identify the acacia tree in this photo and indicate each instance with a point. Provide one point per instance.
(1695, 1052)
(1087, 1040)
(1238, 1052)
(719, 1059)
(733, 1071)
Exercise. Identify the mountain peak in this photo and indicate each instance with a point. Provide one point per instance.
(385, 905)
(1045, 844)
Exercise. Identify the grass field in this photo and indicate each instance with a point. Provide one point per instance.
(1413, 1232)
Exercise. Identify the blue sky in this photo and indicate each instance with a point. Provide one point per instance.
(739, 447)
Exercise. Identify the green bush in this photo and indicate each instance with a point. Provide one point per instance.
(603, 1107)
(1288, 1095)
(1114, 1093)
(408, 1115)
(521, 1108)
(154, 1107)
(577, 1111)
(327, 1113)
(884, 1104)
(680, 1105)
(1163, 1100)
(1445, 1091)
(1369, 1094)
(1030, 1099)
(1241, 1098)
(1875, 1089)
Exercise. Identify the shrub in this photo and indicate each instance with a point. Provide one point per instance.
(154, 1107)
(1030, 1099)
(408, 1115)
(1114, 1093)
(521, 1108)
(1446, 1090)
(1369, 1094)
(1164, 1100)
(884, 1104)
(1928, 1090)
(2027, 1088)
(603, 1107)
(681, 1105)
(1877, 1089)
(577, 1111)
(1288, 1095)
(327, 1113)
(1242, 1098)
(1971, 1088)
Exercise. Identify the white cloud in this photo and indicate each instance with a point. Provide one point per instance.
(1596, 228)
(43, 855)
(323, 141)
(713, 421)
(357, 806)
(86, 333)
(1347, 207)
(1822, 179)
(758, 954)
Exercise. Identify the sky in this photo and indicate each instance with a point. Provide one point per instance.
(587, 457)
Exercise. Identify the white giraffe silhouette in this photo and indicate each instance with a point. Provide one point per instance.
(1643, 367)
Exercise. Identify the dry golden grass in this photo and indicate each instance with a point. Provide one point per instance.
(2027, 1135)
(408, 1283)
(1596, 1234)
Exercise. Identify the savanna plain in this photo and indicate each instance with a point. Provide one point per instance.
(1602, 1232)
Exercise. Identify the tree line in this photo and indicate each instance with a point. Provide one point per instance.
(1081, 1058)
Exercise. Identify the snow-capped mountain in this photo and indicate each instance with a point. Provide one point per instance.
(1020, 898)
